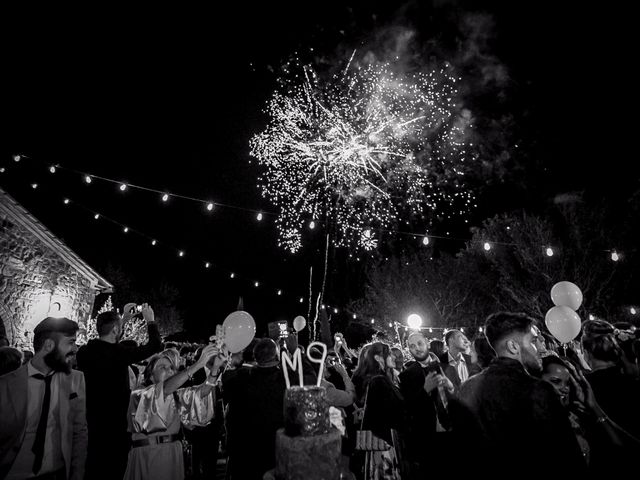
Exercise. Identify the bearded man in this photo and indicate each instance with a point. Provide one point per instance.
(43, 429)
(508, 414)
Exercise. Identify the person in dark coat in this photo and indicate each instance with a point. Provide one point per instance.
(512, 418)
(426, 389)
(105, 364)
(255, 399)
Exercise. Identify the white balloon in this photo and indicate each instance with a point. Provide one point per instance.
(239, 329)
(563, 323)
(299, 323)
(567, 294)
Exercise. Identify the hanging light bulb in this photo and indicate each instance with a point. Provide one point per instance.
(549, 252)
(52, 169)
(66, 201)
(301, 300)
(322, 307)
(614, 256)
(335, 310)
(233, 275)
(209, 206)
(87, 178)
(425, 240)
(256, 284)
(96, 216)
(480, 329)
(633, 311)
(591, 317)
(279, 292)
(431, 330)
(390, 325)
(34, 185)
(153, 242)
(487, 246)
(312, 224)
(16, 158)
(355, 316)
(126, 229)
(206, 265)
(165, 197)
(123, 187)
(2, 170)
(259, 217)
(373, 321)
(181, 253)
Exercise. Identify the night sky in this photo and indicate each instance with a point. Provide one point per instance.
(170, 100)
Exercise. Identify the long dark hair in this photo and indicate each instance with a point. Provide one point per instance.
(368, 367)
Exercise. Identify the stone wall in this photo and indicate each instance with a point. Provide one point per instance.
(36, 282)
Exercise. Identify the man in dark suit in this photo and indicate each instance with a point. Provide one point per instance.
(509, 415)
(105, 363)
(457, 356)
(425, 388)
(255, 397)
(43, 429)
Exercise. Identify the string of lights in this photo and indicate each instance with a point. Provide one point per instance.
(153, 242)
(424, 238)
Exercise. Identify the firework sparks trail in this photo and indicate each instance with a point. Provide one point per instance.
(362, 151)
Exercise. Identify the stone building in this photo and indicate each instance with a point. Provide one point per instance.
(39, 275)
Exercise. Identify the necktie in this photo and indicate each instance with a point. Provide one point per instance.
(41, 433)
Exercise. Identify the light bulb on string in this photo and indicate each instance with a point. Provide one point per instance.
(259, 217)
(52, 169)
(209, 206)
(279, 292)
(66, 201)
(549, 252)
(34, 185)
(165, 197)
(425, 240)
(87, 178)
(256, 284)
(633, 311)
(591, 317)
(301, 300)
(123, 187)
(16, 158)
(355, 316)
(335, 310)
(126, 229)
(480, 329)
(2, 170)
(153, 242)
(312, 224)
(206, 265)
(96, 216)
(181, 253)
(431, 330)
(373, 321)
(615, 256)
(487, 246)
(232, 275)
(390, 325)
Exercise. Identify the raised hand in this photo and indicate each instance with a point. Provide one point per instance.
(147, 313)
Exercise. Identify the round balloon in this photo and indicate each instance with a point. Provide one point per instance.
(299, 323)
(239, 329)
(563, 323)
(567, 294)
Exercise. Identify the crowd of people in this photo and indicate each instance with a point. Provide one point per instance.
(511, 400)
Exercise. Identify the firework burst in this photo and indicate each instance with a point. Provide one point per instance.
(361, 151)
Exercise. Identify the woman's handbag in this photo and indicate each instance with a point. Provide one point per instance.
(365, 439)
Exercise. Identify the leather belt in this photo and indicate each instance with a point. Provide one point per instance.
(143, 442)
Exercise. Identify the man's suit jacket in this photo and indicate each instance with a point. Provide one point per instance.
(452, 373)
(73, 423)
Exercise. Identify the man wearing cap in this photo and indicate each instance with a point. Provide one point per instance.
(43, 429)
